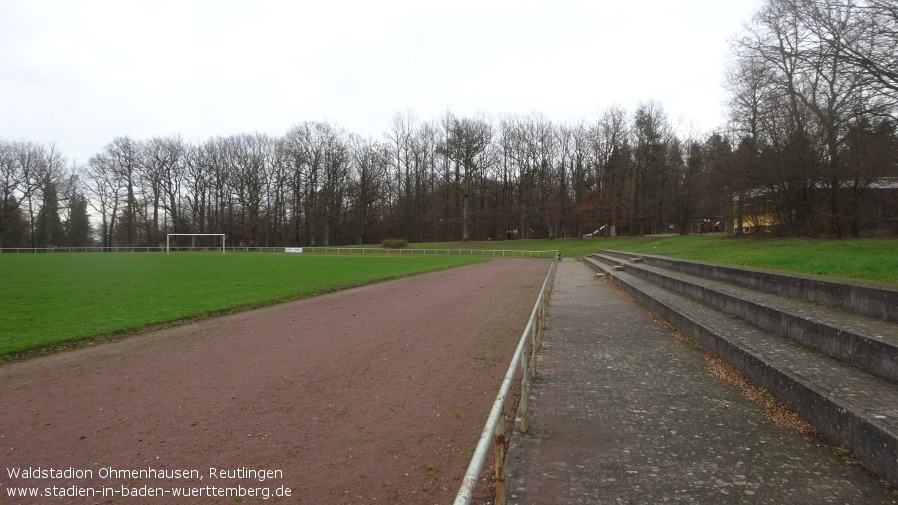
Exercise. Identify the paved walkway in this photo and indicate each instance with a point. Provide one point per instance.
(622, 412)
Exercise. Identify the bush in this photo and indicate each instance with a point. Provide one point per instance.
(394, 243)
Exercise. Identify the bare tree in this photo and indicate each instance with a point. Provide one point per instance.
(317, 154)
(577, 178)
(533, 151)
(336, 164)
(400, 138)
(106, 191)
(748, 84)
(862, 36)
(801, 89)
(466, 142)
(163, 168)
(250, 161)
(198, 169)
(611, 158)
(121, 157)
(367, 187)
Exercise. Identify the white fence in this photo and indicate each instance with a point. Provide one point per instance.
(81, 249)
(505, 253)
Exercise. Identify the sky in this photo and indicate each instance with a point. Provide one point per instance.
(79, 73)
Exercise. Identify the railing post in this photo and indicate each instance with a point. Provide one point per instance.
(532, 370)
(525, 391)
(537, 338)
(542, 320)
(500, 461)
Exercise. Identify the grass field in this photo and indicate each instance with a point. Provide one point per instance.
(51, 299)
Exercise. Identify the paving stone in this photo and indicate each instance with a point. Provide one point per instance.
(622, 412)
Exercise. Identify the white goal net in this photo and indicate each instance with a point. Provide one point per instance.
(205, 243)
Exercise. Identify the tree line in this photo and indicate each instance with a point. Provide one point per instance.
(813, 96)
(452, 178)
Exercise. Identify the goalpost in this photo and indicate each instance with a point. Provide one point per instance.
(170, 235)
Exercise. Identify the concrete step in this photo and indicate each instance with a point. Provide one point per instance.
(855, 296)
(848, 406)
(866, 342)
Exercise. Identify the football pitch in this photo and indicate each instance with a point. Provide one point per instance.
(51, 301)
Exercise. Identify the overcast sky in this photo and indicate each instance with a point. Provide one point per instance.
(79, 73)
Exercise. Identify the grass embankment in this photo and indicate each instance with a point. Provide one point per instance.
(51, 299)
(866, 259)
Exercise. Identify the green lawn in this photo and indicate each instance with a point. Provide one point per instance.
(51, 299)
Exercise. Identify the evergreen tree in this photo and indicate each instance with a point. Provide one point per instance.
(12, 224)
(49, 231)
(77, 227)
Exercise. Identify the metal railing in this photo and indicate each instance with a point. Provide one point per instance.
(494, 431)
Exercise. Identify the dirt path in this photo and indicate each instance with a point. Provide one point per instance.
(371, 395)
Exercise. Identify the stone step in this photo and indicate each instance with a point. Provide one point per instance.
(855, 296)
(848, 406)
(868, 343)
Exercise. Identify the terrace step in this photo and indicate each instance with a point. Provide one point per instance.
(868, 343)
(858, 297)
(849, 406)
